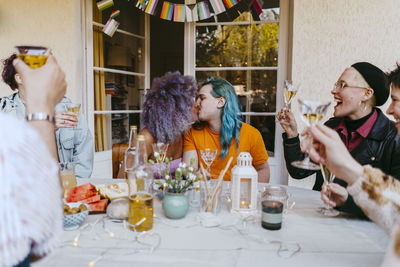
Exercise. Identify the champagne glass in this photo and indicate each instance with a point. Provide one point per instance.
(289, 92)
(328, 177)
(75, 108)
(33, 56)
(208, 155)
(311, 113)
(161, 149)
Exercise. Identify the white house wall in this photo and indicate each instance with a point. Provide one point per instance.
(52, 23)
(330, 35)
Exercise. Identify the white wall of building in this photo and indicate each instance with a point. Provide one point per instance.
(330, 35)
(52, 23)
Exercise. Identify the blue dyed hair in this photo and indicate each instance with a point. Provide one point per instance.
(230, 114)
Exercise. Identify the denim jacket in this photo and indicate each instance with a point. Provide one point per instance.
(73, 145)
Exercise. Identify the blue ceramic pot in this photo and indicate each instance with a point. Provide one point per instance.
(175, 205)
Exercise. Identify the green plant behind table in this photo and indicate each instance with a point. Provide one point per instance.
(179, 182)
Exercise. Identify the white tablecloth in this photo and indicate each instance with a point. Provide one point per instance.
(323, 241)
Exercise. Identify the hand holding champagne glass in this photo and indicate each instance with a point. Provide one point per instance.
(311, 113)
(328, 178)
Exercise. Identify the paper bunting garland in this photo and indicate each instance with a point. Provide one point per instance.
(104, 4)
(190, 11)
(110, 27)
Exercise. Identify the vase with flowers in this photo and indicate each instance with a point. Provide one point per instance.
(175, 204)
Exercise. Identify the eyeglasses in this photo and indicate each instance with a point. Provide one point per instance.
(340, 85)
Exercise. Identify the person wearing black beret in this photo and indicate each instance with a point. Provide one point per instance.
(368, 134)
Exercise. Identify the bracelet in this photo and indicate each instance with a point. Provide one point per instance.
(40, 116)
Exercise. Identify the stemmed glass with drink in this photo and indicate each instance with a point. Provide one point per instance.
(289, 92)
(328, 177)
(208, 155)
(33, 56)
(311, 113)
(160, 150)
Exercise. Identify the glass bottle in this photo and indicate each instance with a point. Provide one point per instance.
(140, 181)
(129, 158)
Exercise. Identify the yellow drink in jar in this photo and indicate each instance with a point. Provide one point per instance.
(141, 208)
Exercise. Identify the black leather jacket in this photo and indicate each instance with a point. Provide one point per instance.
(380, 149)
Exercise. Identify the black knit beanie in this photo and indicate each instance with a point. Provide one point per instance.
(376, 79)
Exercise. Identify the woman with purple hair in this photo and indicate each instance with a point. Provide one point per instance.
(168, 112)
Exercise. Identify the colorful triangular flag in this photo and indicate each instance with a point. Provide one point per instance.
(203, 10)
(151, 7)
(166, 11)
(218, 6)
(179, 12)
(104, 4)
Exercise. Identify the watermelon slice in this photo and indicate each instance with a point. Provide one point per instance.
(91, 199)
(80, 193)
(98, 205)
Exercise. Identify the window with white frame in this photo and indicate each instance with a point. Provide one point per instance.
(119, 71)
(245, 52)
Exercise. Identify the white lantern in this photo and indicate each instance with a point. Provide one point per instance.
(244, 185)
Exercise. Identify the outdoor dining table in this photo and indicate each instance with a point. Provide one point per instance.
(305, 239)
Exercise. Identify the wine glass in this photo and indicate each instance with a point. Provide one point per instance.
(311, 113)
(328, 177)
(208, 155)
(160, 149)
(289, 91)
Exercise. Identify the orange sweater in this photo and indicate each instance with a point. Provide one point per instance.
(250, 140)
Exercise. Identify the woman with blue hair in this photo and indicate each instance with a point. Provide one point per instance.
(221, 128)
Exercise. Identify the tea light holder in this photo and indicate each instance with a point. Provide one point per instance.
(244, 185)
(271, 215)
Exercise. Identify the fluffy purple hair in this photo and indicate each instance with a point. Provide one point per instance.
(167, 108)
